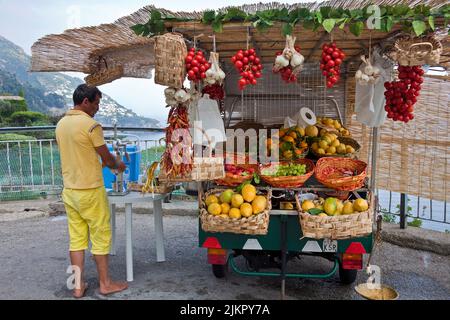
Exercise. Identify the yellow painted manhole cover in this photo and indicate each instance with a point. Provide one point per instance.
(383, 293)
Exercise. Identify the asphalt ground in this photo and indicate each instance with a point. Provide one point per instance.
(34, 260)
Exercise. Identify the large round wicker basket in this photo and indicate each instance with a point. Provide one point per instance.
(253, 225)
(289, 181)
(331, 172)
(335, 227)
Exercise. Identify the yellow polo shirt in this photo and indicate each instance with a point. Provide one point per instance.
(77, 135)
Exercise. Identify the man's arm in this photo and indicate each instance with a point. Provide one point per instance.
(109, 160)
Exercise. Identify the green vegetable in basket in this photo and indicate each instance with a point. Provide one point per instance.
(315, 211)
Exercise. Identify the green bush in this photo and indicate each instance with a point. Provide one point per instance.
(15, 137)
(27, 118)
(7, 108)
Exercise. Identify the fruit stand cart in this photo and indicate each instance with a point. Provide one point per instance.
(315, 197)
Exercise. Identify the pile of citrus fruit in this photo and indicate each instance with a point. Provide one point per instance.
(334, 207)
(329, 144)
(333, 125)
(291, 142)
(232, 205)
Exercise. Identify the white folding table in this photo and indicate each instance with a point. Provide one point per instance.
(128, 200)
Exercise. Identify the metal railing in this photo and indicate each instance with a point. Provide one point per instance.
(31, 169)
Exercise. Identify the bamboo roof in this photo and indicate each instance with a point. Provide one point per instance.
(87, 49)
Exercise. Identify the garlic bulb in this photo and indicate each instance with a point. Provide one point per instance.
(214, 74)
(282, 61)
(180, 95)
(297, 60)
(170, 92)
(367, 74)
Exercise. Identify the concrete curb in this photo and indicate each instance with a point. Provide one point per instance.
(417, 238)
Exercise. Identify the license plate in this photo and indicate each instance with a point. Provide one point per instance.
(330, 245)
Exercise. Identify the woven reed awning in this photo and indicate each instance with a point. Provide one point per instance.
(86, 49)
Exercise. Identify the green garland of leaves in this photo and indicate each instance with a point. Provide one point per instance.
(420, 19)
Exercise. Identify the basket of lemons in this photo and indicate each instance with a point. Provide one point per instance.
(334, 219)
(242, 211)
(331, 145)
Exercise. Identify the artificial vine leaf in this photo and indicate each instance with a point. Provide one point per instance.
(431, 22)
(155, 15)
(138, 29)
(401, 10)
(357, 28)
(325, 11)
(419, 27)
(344, 22)
(209, 17)
(319, 16)
(356, 14)
(235, 14)
(217, 26)
(287, 29)
(389, 24)
(309, 24)
(328, 24)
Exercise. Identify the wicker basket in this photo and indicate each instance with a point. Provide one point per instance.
(291, 181)
(410, 51)
(104, 74)
(233, 180)
(329, 172)
(254, 225)
(170, 52)
(335, 227)
(348, 142)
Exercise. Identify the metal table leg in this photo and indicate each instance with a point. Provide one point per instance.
(284, 250)
(159, 232)
(113, 229)
(129, 241)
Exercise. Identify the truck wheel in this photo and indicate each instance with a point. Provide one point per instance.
(219, 270)
(347, 276)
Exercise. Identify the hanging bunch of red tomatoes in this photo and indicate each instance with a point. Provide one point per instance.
(196, 65)
(401, 95)
(249, 66)
(332, 58)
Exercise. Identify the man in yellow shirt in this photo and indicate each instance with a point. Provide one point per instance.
(81, 142)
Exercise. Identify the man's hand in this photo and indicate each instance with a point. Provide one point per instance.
(121, 167)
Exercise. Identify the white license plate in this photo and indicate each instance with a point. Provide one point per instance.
(330, 245)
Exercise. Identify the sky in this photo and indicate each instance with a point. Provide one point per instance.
(25, 21)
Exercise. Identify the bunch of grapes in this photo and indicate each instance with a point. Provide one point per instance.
(286, 170)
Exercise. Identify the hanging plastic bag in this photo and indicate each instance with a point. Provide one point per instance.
(369, 97)
(205, 115)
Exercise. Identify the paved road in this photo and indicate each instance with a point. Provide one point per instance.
(33, 261)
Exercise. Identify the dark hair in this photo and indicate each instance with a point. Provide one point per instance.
(84, 91)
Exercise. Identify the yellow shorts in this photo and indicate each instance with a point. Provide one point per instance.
(88, 217)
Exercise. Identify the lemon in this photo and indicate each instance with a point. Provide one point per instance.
(323, 144)
(323, 132)
(336, 143)
(246, 210)
(339, 207)
(348, 208)
(337, 125)
(330, 206)
(224, 216)
(328, 122)
(302, 131)
(235, 213)
(323, 215)
(360, 205)
(350, 149)
(249, 193)
(315, 146)
(328, 139)
(312, 131)
(226, 196)
(211, 199)
(259, 204)
(307, 205)
(236, 201)
(331, 150)
(321, 151)
(225, 208)
(215, 209)
(341, 149)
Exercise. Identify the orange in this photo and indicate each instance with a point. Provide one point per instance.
(289, 139)
(293, 135)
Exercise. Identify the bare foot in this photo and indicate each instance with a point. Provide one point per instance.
(113, 287)
(79, 293)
